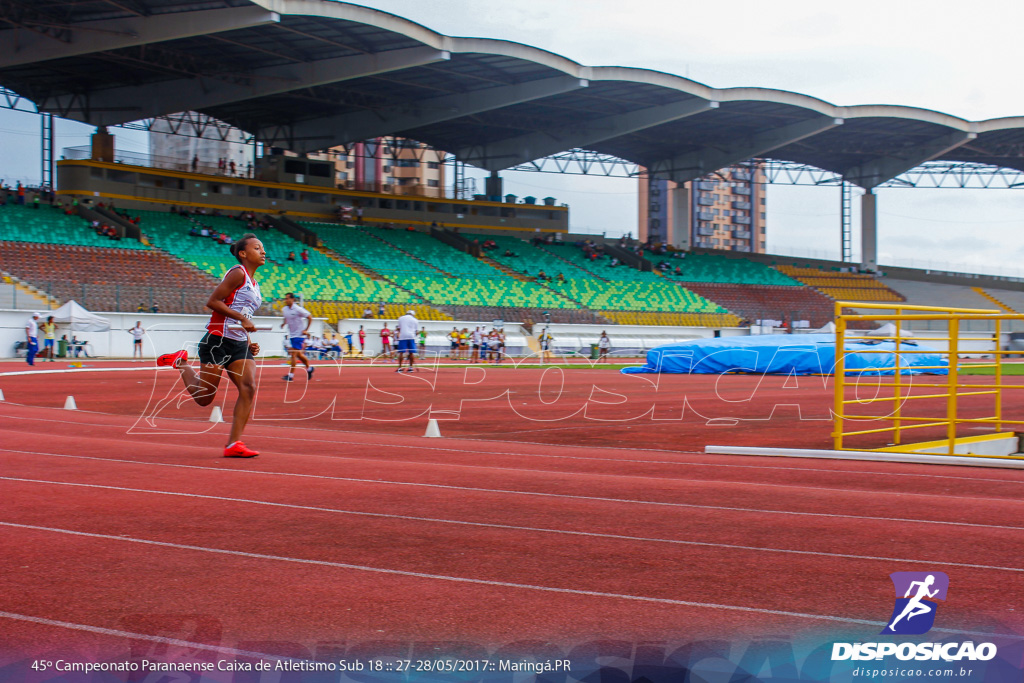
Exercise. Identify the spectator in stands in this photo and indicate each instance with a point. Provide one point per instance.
(141, 308)
(291, 256)
(678, 271)
(367, 313)
(509, 253)
(561, 278)
(35, 201)
(204, 231)
(248, 170)
(305, 257)
(155, 308)
(195, 163)
(21, 200)
(614, 262)
(232, 165)
(380, 309)
(194, 232)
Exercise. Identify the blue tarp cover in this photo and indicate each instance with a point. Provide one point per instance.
(785, 354)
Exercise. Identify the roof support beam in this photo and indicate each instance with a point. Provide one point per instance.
(518, 150)
(101, 36)
(699, 163)
(320, 133)
(118, 105)
(874, 172)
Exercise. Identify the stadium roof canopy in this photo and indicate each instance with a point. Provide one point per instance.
(310, 74)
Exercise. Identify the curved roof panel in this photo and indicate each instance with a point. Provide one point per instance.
(309, 74)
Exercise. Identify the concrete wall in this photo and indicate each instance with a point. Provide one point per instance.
(165, 332)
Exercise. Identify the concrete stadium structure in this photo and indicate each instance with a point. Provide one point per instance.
(311, 74)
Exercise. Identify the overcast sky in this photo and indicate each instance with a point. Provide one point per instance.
(909, 52)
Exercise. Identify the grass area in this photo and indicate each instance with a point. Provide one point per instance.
(1015, 369)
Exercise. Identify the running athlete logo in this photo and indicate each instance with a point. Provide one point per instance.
(915, 608)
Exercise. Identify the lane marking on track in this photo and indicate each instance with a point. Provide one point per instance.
(510, 527)
(567, 496)
(845, 472)
(599, 474)
(139, 636)
(481, 582)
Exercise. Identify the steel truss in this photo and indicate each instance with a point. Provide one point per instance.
(932, 174)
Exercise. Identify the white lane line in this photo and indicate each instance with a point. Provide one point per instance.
(139, 636)
(577, 474)
(479, 582)
(844, 472)
(511, 527)
(567, 496)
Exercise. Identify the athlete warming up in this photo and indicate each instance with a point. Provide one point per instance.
(226, 343)
(298, 320)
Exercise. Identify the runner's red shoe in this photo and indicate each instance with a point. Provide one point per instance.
(171, 359)
(238, 450)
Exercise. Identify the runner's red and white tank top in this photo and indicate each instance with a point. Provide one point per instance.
(245, 299)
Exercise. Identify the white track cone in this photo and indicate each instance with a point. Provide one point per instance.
(1, 394)
(69, 403)
(433, 431)
(215, 415)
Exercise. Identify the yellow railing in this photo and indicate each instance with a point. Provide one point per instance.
(903, 387)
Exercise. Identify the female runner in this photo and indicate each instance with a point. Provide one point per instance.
(226, 343)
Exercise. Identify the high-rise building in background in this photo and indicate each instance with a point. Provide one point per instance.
(723, 211)
(172, 150)
(390, 165)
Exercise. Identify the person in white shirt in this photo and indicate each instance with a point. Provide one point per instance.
(406, 329)
(32, 339)
(298, 320)
(604, 345)
(137, 332)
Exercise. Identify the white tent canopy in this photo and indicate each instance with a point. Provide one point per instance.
(889, 330)
(80, 319)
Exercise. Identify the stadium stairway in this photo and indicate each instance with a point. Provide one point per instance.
(19, 295)
(574, 265)
(993, 299)
(394, 246)
(505, 269)
(843, 286)
(768, 302)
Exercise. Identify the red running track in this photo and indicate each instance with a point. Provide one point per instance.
(361, 530)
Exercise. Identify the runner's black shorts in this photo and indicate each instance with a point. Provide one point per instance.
(215, 349)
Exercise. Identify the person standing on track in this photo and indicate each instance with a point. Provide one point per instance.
(422, 335)
(137, 333)
(362, 341)
(294, 315)
(545, 345)
(226, 344)
(604, 345)
(385, 341)
(406, 329)
(49, 335)
(32, 339)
